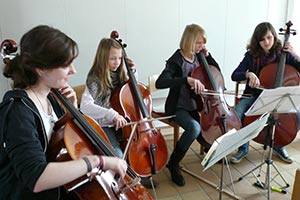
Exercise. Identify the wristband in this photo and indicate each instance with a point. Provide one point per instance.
(88, 164)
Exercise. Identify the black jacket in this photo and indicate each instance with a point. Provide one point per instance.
(171, 77)
(23, 147)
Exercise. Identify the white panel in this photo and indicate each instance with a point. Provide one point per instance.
(295, 39)
(151, 29)
(210, 15)
(19, 16)
(242, 18)
(152, 34)
(88, 22)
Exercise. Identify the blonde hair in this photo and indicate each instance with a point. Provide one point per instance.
(189, 37)
(101, 63)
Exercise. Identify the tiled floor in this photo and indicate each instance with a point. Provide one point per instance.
(205, 187)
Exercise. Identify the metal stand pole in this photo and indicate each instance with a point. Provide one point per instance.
(220, 187)
(269, 162)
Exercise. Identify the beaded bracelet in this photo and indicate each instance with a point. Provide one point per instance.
(88, 164)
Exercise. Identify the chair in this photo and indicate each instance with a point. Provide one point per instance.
(79, 89)
(296, 189)
(158, 108)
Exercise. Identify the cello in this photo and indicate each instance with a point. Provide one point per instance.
(216, 116)
(77, 136)
(277, 75)
(146, 149)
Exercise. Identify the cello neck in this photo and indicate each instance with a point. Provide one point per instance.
(209, 74)
(133, 82)
(84, 126)
(280, 71)
(281, 65)
(136, 89)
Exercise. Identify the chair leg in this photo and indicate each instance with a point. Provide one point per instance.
(201, 150)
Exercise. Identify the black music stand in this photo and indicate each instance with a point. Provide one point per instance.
(228, 142)
(279, 100)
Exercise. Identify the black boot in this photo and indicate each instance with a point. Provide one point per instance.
(173, 166)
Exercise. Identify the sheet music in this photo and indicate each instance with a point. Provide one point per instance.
(231, 140)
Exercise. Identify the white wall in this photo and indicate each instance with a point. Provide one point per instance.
(151, 29)
(295, 14)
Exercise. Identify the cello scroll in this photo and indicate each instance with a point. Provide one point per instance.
(8, 49)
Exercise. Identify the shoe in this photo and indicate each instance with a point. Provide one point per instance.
(238, 156)
(176, 175)
(174, 168)
(145, 181)
(283, 155)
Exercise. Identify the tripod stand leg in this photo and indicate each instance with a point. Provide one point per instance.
(275, 167)
(209, 183)
(269, 162)
(262, 160)
(252, 171)
(153, 188)
(230, 175)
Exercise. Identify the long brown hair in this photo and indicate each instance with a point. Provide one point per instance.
(41, 47)
(260, 31)
(100, 67)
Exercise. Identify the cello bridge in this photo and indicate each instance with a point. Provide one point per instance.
(129, 185)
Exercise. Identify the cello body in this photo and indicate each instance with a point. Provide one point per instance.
(77, 136)
(139, 155)
(146, 150)
(81, 137)
(214, 107)
(286, 124)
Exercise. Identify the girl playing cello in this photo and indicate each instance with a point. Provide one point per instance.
(264, 48)
(28, 113)
(106, 74)
(180, 101)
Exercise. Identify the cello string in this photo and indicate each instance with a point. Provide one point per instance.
(140, 110)
(95, 138)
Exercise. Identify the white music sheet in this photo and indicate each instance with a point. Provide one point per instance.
(278, 100)
(231, 140)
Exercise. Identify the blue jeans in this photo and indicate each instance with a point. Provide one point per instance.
(111, 133)
(191, 125)
(243, 105)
